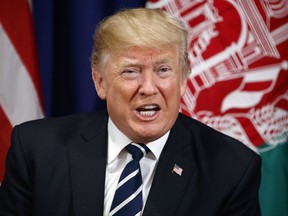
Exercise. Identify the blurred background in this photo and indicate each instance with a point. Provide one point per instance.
(64, 36)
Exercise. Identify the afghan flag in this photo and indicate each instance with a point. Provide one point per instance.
(239, 82)
(19, 75)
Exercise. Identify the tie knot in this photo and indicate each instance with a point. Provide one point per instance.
(137, 150)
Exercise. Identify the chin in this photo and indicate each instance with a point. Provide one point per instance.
(148, 136)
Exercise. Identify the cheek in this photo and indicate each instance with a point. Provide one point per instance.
(173, 88)
(119, 93)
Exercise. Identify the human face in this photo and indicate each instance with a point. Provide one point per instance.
(142, 88)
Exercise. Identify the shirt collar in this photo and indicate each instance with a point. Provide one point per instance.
(117, 141)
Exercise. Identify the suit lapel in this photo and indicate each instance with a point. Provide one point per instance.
(168, 187)
(88, 158)
(88, 164)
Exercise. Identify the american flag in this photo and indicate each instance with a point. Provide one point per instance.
(19, 74)
(177, 169)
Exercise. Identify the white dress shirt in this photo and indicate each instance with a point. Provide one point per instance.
(118, 157)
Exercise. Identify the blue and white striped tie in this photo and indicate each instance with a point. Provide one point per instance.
(128, 196)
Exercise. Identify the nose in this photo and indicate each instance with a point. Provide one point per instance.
(148, 84)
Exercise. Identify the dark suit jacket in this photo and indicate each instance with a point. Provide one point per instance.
(57, 167)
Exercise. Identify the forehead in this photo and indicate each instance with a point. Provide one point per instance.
(136, 55)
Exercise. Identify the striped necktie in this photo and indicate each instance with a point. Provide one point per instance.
(127, 200)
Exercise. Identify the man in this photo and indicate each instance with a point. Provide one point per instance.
(72, 165)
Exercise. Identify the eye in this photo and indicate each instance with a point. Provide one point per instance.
(130, 74)
(164, 71)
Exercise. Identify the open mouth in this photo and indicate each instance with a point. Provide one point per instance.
(148, 110)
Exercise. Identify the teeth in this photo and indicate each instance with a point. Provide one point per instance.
(149, 107)
(147, 113)
(148, 110)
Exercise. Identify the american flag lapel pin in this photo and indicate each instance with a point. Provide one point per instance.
(177, 169)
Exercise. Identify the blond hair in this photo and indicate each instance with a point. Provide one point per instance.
(141, 27)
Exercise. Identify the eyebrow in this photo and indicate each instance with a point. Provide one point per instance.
(164, 60)
(128, 63)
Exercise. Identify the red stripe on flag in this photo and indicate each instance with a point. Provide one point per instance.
(5, 134)
(16, 19)
(259, 86)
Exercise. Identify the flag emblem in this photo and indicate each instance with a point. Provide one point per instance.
(177, 169)
(238, 83)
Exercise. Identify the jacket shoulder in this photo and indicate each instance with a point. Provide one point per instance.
(58, 130)
(215, 143)
(69, 122)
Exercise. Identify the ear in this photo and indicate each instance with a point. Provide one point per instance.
(99, 84)
(183, 85)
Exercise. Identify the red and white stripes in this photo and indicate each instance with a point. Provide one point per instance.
(20, 95)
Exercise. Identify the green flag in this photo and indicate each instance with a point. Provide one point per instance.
(274, 184)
